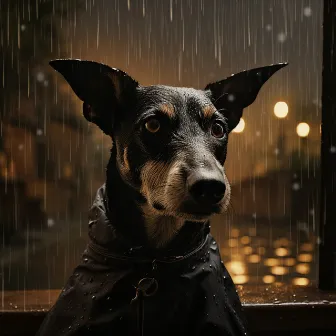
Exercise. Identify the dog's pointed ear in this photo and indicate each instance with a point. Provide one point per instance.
(231, 95)
(102, 89)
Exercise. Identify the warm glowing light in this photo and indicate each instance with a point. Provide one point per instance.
(302, 129)
(302, 268)
(240, 127)
(240, 279)
(236, 267)
(247, 250)
(289, 262)
(300, 281)
(271, 262)
(268, 279)
(281, 252)
(245, 240)
(261, 250)
(305, 257)
(234, 233)
(254, 258)
(279, 270)
(281, 109)
(233, 242)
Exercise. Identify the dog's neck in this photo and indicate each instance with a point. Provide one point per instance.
(132, 217)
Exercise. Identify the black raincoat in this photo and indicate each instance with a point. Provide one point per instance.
(118, 290)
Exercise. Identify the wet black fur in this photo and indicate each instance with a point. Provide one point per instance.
(120, 107)
(123, 119)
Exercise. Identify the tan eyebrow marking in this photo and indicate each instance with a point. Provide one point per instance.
(208, 111)
(168, 109)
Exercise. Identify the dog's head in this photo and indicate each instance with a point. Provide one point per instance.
(170, 142)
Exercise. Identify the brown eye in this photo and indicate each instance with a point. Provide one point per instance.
(152, 125)
(217, 130)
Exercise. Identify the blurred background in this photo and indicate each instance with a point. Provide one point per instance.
(52, 161)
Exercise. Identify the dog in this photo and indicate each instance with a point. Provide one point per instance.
(151, 266)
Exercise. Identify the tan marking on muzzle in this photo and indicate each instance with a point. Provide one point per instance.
(208, 111)
(153, 177)
(168, 109)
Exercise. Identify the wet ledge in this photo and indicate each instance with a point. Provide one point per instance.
(282, 310)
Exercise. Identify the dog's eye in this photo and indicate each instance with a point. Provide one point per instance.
(152, 125)
(217, 129)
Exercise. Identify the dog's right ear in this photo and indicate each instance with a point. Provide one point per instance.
(102, 89)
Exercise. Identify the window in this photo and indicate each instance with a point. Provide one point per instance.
(273, 231)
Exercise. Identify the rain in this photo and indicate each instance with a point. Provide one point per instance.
(52, 161)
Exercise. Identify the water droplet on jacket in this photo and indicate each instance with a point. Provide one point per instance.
(210, 265)
(203, 269)
(69, 327)
(108, 298)
(86, 260)
(91, 279)
(93, 297)
(82, 317)
(214, 296)
(193, 267)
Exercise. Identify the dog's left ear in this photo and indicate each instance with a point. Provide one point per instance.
(102, 89)
(231, 95)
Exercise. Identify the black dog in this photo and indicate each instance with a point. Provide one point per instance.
(151, 266)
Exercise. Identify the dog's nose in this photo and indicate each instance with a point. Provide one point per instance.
(206, 189)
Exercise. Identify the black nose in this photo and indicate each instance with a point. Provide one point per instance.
(206, 189)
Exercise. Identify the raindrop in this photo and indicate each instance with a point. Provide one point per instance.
(333, 149)
(40, 76)
(307, 11)
(231, 97)
(282, 37)
(268, 27)
(50, 222)
(296, 186)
